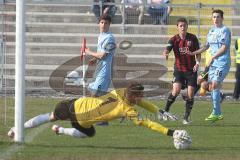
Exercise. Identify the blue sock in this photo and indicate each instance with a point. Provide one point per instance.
(216, 101)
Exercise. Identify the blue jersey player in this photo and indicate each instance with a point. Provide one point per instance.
(104, 57)
(218, 41)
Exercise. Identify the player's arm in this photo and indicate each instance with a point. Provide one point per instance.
(220, 51)
(199, 51)
(137, 119)
(150, 125)
(217, 54)
(148, 106)
(108, 47)
(98, 55)
(154, 109)
(168, 49)
(145, 122)
(198, 59)
(197, 56)
(236, 44)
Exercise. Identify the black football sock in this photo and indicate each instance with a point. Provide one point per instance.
(170, 101)
(189, 105)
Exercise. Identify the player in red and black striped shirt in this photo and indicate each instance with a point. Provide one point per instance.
(185, 66)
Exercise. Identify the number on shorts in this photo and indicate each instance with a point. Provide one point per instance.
(218, 73)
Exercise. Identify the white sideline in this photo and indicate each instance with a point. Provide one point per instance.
(29, 138)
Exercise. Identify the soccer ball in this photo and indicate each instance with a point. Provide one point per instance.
(181, 139)
(182, 143)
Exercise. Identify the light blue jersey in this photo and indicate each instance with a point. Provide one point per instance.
(220, 66)
(215, 39)
(103, 72)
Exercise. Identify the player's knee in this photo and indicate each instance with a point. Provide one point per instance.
(176, 91)
(176, 88)
(204, 85)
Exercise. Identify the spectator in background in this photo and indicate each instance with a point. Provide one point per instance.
(109, 9)
(159, 11)
(132, 7)
(236, 92)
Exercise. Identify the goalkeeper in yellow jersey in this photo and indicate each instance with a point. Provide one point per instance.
(84, 112)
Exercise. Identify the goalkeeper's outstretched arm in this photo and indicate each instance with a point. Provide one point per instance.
(153, 126)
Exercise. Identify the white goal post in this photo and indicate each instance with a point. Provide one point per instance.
(20, 71)
(1, 64)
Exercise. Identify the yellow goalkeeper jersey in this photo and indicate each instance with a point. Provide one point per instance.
(111, 106)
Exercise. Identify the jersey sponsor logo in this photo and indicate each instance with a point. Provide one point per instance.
(183, 50)
(189, 43)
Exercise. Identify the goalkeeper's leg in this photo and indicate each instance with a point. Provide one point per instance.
(34, 122)
(77, 131)
(68, 131)
(38, 120)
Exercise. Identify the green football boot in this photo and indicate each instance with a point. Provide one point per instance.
(214, 118)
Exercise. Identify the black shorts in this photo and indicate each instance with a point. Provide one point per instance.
(204, 74)
(65, 110)
(188, 78)
(62, 109)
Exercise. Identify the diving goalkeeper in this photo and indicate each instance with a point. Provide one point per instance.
(84, 112)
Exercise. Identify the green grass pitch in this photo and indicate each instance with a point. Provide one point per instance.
(220, 140)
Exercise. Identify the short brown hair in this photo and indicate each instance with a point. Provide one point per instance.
(135, 88)
(218, 11)
(182, 20)
(105, 17)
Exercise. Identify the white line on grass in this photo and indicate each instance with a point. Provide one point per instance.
(17, 147)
